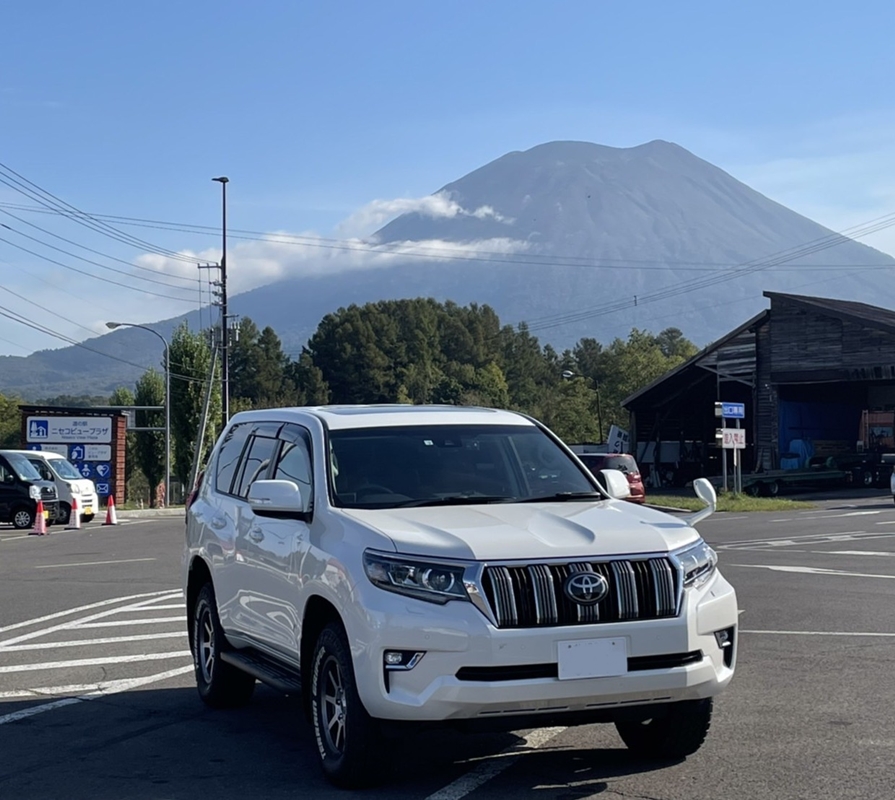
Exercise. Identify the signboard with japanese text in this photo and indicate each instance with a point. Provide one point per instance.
(733, 438)
(68, 429)
(58, 449)
(618, 440)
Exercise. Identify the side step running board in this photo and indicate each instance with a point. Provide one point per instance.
(265, 670)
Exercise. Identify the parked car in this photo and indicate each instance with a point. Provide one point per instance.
(420, 565)
(69, 484)
(623, 463)
(21, 488)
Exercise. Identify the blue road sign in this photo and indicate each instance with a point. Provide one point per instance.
(39, 429)
(733, 410)
(34, 447)
(76, 453)
(84, 469)
(103, 489)
(103, 470)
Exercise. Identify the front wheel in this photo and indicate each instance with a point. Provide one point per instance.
(676, 732)
(220, 685)
(64, 514)
(348, 738)
(23, 518)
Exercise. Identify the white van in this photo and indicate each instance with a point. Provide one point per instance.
(69, 483)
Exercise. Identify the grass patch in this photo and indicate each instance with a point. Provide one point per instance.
(730, 502)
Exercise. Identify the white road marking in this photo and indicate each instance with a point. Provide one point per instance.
(811, 538)
(119, 623)
(820, 633)
(160, 595)
(852, 553)
(93, 563)
(94, 662)
(73, 623)
(812, 571)
(142, 637)
(493, 766)
(113, 687)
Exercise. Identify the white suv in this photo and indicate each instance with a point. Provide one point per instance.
(422, 564)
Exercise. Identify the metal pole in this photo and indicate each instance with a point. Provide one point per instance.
(225, 331)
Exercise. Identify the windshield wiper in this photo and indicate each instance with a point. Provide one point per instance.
(561, 497)
(456, 500)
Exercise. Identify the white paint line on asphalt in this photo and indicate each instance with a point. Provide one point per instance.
(887, 522)
(177, 606)
(852, 553)
(821, 633)
(119, 623)
(493, 766)
(141, 637)
(94, 662)
(812, 571)
(113, 687)
(93, 563)
(100, 604)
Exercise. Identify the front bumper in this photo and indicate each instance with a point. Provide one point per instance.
(471, 670)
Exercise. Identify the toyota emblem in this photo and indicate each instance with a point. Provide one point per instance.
(586, 588)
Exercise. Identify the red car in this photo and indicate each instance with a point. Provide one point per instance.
(620, 461)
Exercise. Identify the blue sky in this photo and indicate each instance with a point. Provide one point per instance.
(315, 110)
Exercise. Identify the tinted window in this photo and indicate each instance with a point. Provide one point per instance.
(42, 468)
(255, 463)
(65, 469)
(619, 461)
(23, 467)
(228, 457)
(294, 464)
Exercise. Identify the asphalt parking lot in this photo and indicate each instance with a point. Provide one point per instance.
(97, 698)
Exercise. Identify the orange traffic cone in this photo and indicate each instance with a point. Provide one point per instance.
(74, 518)
(111, 516)
(40, 522)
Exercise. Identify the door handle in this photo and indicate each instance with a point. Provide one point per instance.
(256, 534)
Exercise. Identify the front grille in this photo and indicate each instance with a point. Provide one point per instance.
(532, 596)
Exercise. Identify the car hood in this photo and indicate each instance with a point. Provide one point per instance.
(528, 530)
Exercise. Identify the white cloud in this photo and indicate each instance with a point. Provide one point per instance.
(440, 205)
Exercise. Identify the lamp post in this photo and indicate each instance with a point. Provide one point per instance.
(225, 333)
(114, 325)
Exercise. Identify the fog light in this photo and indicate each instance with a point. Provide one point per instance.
(402, 659)
(723, 638)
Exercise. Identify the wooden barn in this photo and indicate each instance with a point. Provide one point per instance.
(816, 376)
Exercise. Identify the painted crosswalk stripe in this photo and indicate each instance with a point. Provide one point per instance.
(94, 662)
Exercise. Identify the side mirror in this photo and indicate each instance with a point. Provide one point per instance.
(617, 486)
(705, 492)
(276, 499)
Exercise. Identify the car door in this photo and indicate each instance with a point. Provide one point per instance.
(8, 493)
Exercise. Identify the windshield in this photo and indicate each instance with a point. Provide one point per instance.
(23, 467)
(65, 469)
(450, 464)
(619, 461)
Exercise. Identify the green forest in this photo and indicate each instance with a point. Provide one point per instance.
(397, 351)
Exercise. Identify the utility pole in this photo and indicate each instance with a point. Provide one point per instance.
(225, 320)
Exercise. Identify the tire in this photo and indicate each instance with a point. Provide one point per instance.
(868, 479)
(349, 742)
(753, 489)
(23, 518)
(677, 733)
(64, 514)
(220, 685)
(772, 488)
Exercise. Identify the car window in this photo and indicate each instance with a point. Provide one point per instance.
(42, 468)
(294, 464)
(6, 475)
(22, 467)
(256, 462)
(65, 469)
(622, 462)
(228, 457)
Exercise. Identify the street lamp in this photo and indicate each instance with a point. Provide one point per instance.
(114, 325)
(225, 352)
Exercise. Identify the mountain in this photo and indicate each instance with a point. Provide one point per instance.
(583, 240)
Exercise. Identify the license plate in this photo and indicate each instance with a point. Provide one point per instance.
(593, 658)
(46, 514)
(88, 510)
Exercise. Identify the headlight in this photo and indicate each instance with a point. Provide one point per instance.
(430, 581)
(74, 488)
(698, 563)
(34, 492)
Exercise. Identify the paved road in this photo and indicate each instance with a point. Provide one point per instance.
(97, 700)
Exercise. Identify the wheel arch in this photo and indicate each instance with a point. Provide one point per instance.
(199, 575)
(319, 612)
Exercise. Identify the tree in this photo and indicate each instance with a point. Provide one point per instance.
(150, 445)
(10, 422)
(190, 366)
